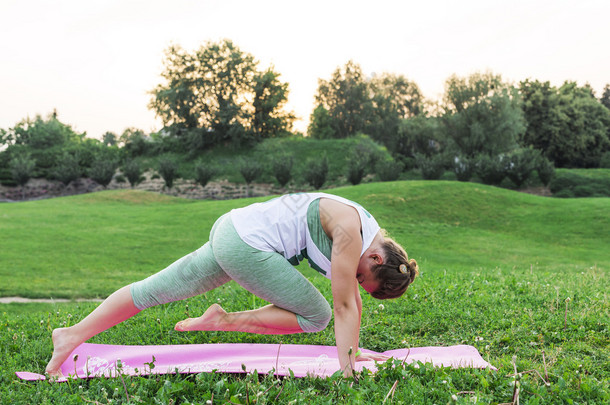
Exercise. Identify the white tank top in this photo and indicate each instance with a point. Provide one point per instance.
(280, 225)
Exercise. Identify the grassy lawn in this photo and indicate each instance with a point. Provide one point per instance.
(522, 278)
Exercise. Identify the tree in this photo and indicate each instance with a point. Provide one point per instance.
(605, 98)
(22, 167)
(346, 98)
(403, 94)
(420, 134)
(209, 96)
(5, 137)
(109, 139)
(270, 95)
(320, 124)
(482, 114)
(45, 139)
(567, 124)
(135, 142)
(394, 98)
(43, 134)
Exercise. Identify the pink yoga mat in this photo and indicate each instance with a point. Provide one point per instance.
(96, 360)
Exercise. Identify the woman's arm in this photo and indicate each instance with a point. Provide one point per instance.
(358, 301)
(342, 224)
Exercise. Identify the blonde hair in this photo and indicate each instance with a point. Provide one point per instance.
(396, 272)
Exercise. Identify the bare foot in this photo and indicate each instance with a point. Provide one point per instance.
(212, 319)
(63, 346)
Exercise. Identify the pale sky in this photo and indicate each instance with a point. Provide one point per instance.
(96, 60)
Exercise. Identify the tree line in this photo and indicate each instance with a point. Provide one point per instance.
(218, 95)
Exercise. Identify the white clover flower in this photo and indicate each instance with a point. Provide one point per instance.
(381, 307)
(454, 397)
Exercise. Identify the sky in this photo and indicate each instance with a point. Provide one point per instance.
(95, 61)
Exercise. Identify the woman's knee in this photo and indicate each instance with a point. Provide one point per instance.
(316, 321)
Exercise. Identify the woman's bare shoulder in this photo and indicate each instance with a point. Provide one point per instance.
(336, 214)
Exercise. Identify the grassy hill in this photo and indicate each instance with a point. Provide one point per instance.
(523, 278)
(89, 245)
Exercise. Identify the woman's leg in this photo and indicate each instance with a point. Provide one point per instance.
(297, 306)
(268, 320)
(115, 309)
(191, 275)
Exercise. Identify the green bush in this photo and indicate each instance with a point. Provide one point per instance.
(491, 169)
(604, 161)
(68, 169)
(565, 193)
(6, 178)
(572, 183)
(545, 170)
(119, 178)
(388, 170)
(22, 167)
(432, 167)
(204, 173)
(168, 169)
(250, 170)
(357, 163)
(520, 165)
(282, 168)
(133, 171)
(102, 170)
(463, 167)
(564, 181)
(316, 171)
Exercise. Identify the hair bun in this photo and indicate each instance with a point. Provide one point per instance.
(414, 268)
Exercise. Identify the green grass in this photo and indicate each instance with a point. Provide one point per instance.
(497, 267)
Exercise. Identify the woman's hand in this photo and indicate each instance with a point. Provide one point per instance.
(372, 357)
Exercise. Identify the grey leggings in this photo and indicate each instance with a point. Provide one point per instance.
(226, 257)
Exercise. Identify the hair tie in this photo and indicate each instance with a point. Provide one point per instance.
(403, 268)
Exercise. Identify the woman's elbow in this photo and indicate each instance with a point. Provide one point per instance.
(345, 309)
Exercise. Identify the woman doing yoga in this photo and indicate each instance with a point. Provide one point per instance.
(257, 246)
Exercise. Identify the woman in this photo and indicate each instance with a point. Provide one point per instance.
(257, 247)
